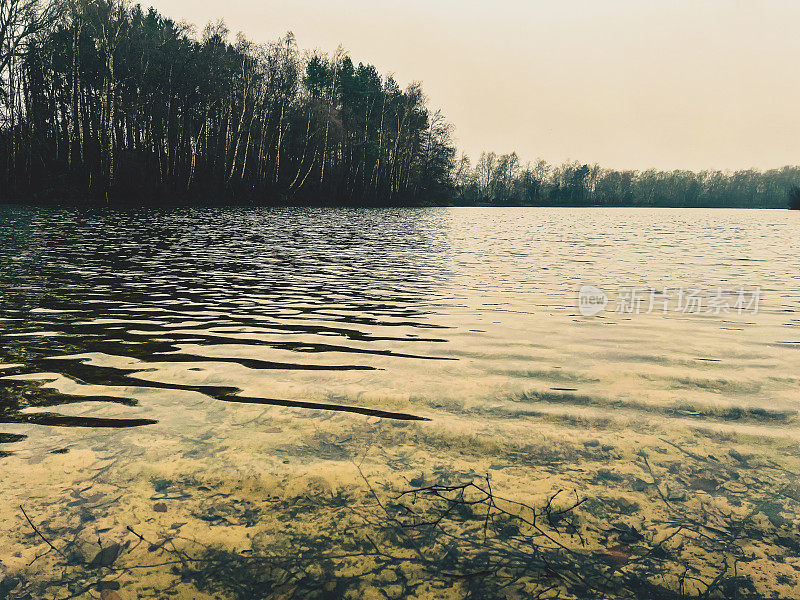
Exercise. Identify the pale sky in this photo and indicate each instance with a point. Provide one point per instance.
(625, 83)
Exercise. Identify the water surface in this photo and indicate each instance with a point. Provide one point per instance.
(171, 356)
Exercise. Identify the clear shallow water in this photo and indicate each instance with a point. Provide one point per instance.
(210, 347)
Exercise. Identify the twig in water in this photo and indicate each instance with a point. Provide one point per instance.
(39, 533)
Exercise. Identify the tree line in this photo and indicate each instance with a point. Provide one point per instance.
(503, 180)
(106, 99)
(102, 100)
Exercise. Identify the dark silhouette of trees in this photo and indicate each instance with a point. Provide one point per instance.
(501, 180)
(109, 101)
(794, 198)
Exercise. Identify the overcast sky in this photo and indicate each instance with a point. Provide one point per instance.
(626, 83)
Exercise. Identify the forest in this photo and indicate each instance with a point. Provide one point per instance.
(504, 181)
(104, 101)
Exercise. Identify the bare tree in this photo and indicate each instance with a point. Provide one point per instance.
(20, 20)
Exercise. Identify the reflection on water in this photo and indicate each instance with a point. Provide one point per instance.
(259, 340)
(320, 292)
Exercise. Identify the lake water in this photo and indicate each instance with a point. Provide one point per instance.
(249, 390)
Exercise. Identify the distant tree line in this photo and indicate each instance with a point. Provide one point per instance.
(502, 180)
(101, 100)
(794, 198)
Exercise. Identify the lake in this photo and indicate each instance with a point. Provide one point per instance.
(231, 403)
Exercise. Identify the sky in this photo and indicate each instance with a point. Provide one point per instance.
(628, 84)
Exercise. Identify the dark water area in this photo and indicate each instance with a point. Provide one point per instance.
(74, 282)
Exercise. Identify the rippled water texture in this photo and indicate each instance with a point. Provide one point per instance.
(261, 353)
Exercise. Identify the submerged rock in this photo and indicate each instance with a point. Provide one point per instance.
(617, 555)
(107, 556)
